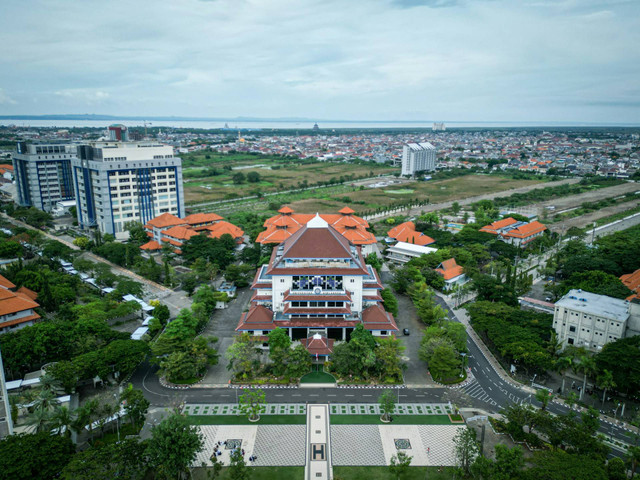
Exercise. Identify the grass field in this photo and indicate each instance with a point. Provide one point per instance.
(397, 420)
(242, 420)
(259, 473)
(220, 187)
(344, 473)
(436, 191)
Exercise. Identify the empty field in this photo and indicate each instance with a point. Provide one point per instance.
(435, 191)
(287, 176)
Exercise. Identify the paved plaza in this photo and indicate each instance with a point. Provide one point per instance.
(335, 409)
(274, 445)
(358, 445)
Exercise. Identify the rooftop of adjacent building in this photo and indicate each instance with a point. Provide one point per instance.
(594, 304)
(416, 147)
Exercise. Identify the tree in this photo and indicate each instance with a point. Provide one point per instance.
(82, 242)
(279, 346)
(298, 362)
(455, 208)
(34, 456)
(135, 405)
(561, 365)
(62, 420)
(544, 397)
(622, 359)
(238, 178)
(587, 365)
(238, 468)
(253, 177)
(137, 233)
(251, 404)
(65, 372)
(124, 459)
(605, 382)
(162, 313)
(389, 301)
(242, 355)
(632, 456)
(465, 448)
(238, 274)
(173, 446)
(616, 469)
(399, 464)
(387, 404)
(189, 283)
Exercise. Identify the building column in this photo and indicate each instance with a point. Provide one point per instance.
(344, 334)
(290, 331)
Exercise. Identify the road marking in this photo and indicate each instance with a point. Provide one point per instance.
(279, 395)
(331, 395)
(296, 395)
(349, 395)
(367, 395)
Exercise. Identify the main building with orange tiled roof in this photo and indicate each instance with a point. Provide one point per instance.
(174, 231)
(353, 228)
(515, 232)
(317, 283)
(16, 308)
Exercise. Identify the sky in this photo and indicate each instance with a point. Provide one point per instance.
(385, 60)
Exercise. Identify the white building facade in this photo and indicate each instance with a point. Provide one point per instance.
(119, 182)
(588, 320)
(6, 425)
(317, 283)
(418, 157)
(43, 174)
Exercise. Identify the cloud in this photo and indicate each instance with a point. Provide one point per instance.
(455, 59)
(6, 99)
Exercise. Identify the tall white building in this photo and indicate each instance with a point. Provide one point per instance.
(43, 174)
(119, 182)
(589, 320)
(418, 157)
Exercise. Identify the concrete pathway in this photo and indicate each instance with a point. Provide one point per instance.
(318, 444)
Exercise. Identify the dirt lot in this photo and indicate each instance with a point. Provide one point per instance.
(589, 218)
(593, 196)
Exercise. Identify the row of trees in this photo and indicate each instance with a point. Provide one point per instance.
(444, 348)
(181, 354)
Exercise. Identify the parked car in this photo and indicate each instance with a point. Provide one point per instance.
(405, 331)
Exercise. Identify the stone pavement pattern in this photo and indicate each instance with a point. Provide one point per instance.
(275, 445)
(375, 444)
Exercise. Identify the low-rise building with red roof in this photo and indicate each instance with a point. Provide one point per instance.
(452, 273)
(17, 309)
(632, 282)
(515, 232)
(406, 232)
(174, 231)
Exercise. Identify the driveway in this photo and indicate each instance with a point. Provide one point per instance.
(223, 325)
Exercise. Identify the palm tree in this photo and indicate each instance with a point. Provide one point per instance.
(87, 413)
(39, 420)
(45, 400)
(587, 365)
(554, 346)
(605, 381)
(561, 365)
(572, 399)
(107, 411)
(62, 419)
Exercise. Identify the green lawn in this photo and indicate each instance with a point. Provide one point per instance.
(259, 473)
(397, 420)
(383, 473)
(317, 376)
(242, 420)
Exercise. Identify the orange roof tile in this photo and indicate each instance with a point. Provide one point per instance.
(199, 218)
(179, 232)
(152, 245)
(406, 232)
(28, 293)
(220, 228)
(5, 283)
(524, 231)
(286, 210)
(346, 211)
(632, 282)
(20, 320)
(450, 269)
(505, 222)
(165, 220)
(11, 302)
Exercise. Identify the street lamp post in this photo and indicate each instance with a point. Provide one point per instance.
(534, 379)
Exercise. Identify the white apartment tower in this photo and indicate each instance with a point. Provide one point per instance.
(43, 174)
(119, 182)
(418, 157)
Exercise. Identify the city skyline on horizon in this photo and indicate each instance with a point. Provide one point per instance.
(564, 62)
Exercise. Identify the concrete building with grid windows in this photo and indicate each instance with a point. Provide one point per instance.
(418, 157)
(119, 182)
(43, 174)
(588, 320)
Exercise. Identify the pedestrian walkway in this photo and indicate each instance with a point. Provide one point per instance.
(318, 446)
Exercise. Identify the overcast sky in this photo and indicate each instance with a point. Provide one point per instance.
(473, 60)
